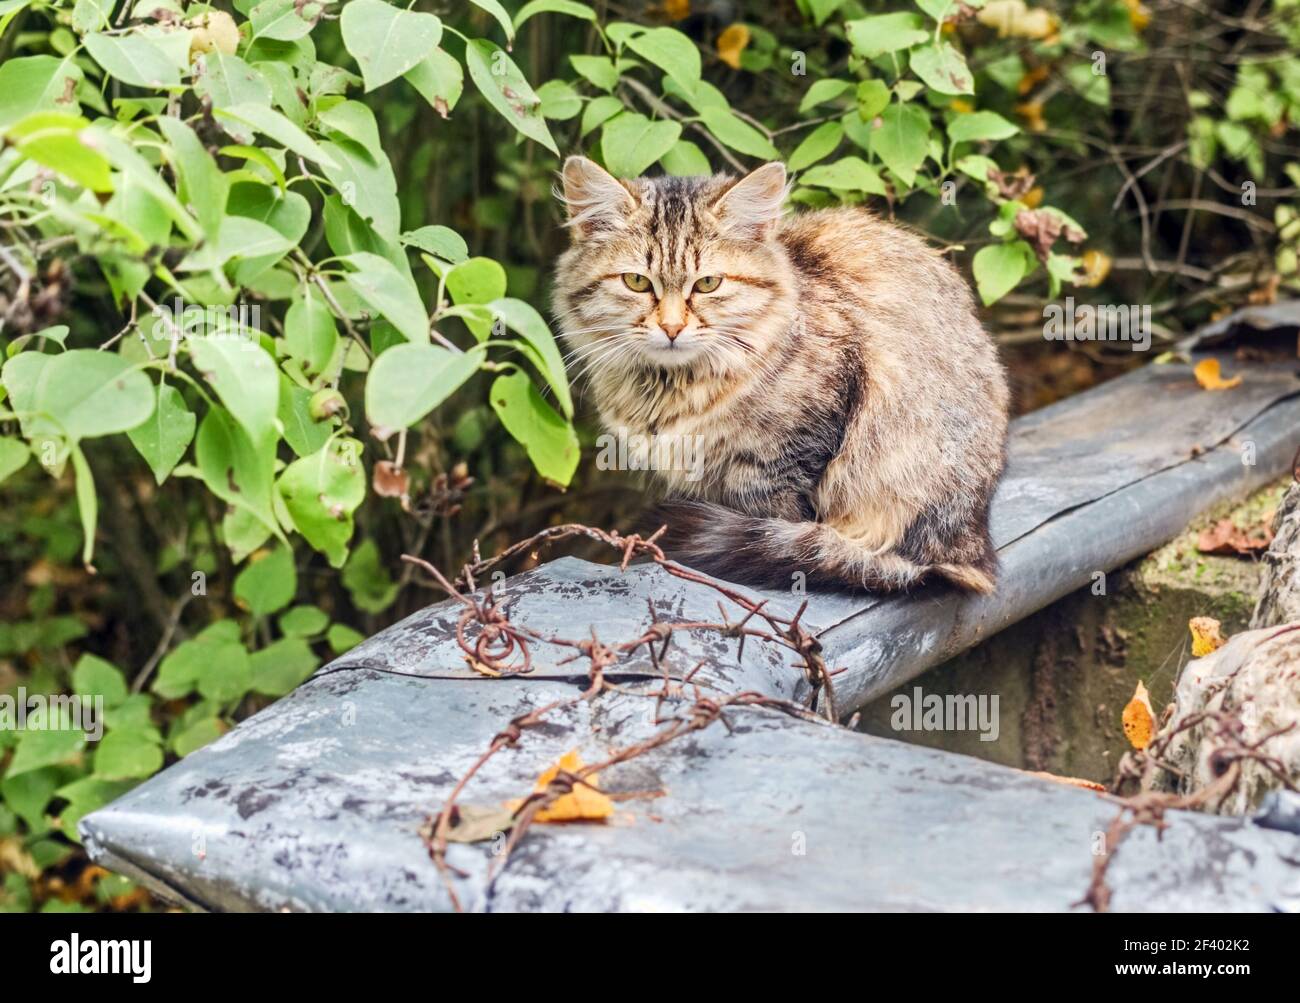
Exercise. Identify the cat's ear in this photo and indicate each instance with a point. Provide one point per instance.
(596, 200)
(751, 208)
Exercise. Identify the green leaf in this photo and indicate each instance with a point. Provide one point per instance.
(999, 268)
(569, 7)
(92, 393)
(216, 646)
(630, 143)
(521, 318)
(126, 755)
(943, 69)
(441, 241)
(273, 125)
(389, 293)
(322, 491)
(672, 52)
(503, 85)
(228, 82)
(439, 79)
(197, 735)
(408, 381)
(366, 184)
(559, 100)
(245, 378)
(875, 36)
(732, 131)
(903, 140)
(873, 98)
(87, 504)
(309, 331)
(59, 141)
(476, 280)
(304, 621)
(385, 40)
(822, 91)
(980, 125)
(234, 467)
(13, 456)
(343, 638)
(126, 158)
(501, 15)
(550, 441)
(133, 59)
(164, 437)
(685, 160)
(598, 70)
(303, 433)
(281, 666)
(201, 185)
(817, 145)
(847, 174)
(43, 747)
(283, 20)
(268, 584)
(93, 677)
(367, 580)
(36, 83)
(598, 111)
(226, 675)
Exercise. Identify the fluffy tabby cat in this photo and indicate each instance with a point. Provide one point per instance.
(852, 409)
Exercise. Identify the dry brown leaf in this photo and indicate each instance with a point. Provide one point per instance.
(731, 43)
(475, 823)
(1139, 719)
(1209, 375)
(1207, 635)
(1227, 538)
(585, 803)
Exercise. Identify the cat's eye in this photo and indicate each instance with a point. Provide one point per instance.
(708, 283)
(637, 283)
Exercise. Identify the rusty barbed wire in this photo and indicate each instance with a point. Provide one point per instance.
(502, 648)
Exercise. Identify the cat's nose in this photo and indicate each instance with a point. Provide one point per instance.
(672, 328)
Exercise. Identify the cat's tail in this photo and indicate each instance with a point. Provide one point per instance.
(774, 553)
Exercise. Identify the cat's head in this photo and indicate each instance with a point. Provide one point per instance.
(672, 272)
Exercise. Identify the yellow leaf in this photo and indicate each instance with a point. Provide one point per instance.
(677, 10)
(1207, 635)
(1138, 15)
(1032, 113)
(1208, 375)
(1096, 266)
(1033, 198)
(1139, 719)
(731, 43)
(961, 106)
(1013, 19)
(582, 804)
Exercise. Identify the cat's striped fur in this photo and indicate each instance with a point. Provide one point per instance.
(852, 409)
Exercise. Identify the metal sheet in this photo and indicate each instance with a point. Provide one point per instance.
(315, 802)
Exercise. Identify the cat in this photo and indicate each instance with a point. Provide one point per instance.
(850, 408)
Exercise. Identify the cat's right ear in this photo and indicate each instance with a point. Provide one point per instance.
(596, 200)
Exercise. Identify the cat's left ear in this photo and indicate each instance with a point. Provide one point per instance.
(595, 199)
(751, 208)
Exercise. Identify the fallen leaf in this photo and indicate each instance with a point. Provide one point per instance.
(475, 823)
(1207, 635)
(585, 803)
(1139, 719)
(1227, 538)
(1208, 375)
(1091, 785)
(1096, 266)
(731, 43)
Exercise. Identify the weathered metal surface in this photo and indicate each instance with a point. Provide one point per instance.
(315, 803)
